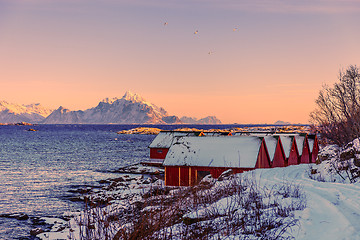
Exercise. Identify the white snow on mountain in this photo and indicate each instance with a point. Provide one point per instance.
(12, 112)
(131, 108)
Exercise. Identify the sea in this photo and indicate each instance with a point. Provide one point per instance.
(40, 169)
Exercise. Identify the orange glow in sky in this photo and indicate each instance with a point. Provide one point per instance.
(249, 61)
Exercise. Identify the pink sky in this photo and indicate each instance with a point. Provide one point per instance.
(74, 53)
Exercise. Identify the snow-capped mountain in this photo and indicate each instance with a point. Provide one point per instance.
(13, 113)
(131, 108)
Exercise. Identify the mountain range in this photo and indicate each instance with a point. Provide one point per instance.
(129, 109)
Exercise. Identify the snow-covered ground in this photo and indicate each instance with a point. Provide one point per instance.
(332, 209)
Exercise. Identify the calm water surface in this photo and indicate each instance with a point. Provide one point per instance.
(37, 169)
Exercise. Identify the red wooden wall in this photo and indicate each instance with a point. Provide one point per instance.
(158, 153)
(263, 160)
(279, 156)
(315, 150)
(188, 176)
(305, 157)
(294, 154)
(171, 176)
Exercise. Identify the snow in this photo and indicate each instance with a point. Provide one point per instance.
(238, 152)
(17, 109)
(165, 138)
(286, 141)
(332, 210)
(311, 144)
(271, 143)
(131, 108)
(300, 140)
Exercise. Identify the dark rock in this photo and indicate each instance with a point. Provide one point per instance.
(119, 179)
(81, 190)
(18, 216)
(104, 181)
(36, 231)
(22, 216)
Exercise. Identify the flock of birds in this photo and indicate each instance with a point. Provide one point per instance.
(196, 32)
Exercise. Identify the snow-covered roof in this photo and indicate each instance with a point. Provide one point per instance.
(311, 144)
(221, 151)
(165, 138)
(300, 141)
(262, 133)
(271, 143)
(270, 140)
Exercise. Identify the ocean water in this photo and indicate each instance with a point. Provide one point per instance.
(37, 169)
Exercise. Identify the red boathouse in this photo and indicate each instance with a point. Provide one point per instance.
(290, 149)
(191, 158)
(159, 147)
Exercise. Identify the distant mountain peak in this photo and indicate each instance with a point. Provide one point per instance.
(133, 97)
(205, 120)
(279, 122)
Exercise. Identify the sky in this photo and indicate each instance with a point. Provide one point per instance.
(244, 61)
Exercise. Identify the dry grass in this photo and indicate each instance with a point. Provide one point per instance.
(234, 207)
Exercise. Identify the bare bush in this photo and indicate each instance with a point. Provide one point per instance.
(338, 108)
(225, 209)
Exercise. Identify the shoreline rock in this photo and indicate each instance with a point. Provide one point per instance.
(18, 216)
(279, 129)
